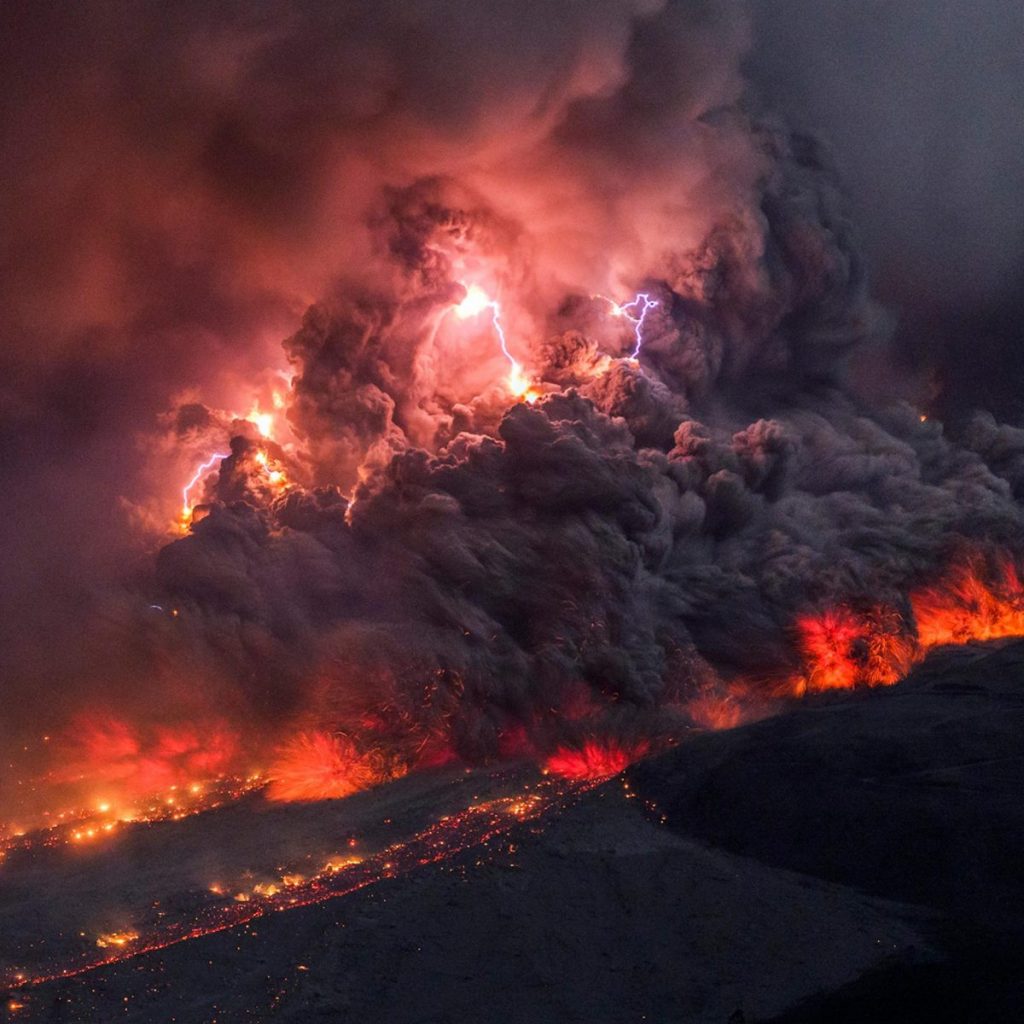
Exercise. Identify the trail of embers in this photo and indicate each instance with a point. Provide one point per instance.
(224, 906)
(81, 826)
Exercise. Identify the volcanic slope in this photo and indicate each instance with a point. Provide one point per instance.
(850, 860)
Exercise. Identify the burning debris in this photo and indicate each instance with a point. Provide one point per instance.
(321, 766)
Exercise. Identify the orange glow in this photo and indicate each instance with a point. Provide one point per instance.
(711, 712)
(520, 386)
(271, 470)
(108, 772)
(188, 502)
(842, 649)
(323, 766)
(827, 642)
(475, 302)
(116, 939)
(970, 604)
(973, 600)
(595, 759)
(137, 761)
(263, 421)
(472, 827)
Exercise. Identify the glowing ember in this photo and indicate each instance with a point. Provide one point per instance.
(449, 836)
(322, 766)
(108, 771)
(116, 939)
(81, 827)
(595, 759)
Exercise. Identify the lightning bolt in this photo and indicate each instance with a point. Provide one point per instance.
(475, 302)
(635, 311)
(186, 505)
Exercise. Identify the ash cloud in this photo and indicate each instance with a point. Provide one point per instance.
(450, 568)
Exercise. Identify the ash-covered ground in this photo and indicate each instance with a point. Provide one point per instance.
(854, 859)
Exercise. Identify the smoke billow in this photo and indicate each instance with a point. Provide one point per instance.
(425, 559)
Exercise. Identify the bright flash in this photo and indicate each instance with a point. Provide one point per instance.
(475, 302)
(187, 506)
(635, 311)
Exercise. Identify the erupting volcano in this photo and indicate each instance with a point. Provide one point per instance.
(436, 410)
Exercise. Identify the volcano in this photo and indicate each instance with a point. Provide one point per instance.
(473, 450)
(851, 859)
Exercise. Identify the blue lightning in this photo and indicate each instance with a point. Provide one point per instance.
(642, 303)
(186, 506)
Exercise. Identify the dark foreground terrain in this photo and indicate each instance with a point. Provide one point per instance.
(857, 859)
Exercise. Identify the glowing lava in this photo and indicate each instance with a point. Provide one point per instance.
(473, 827)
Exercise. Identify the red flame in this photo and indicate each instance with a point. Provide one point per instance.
(138, 760)
(323, 766)
(966, 606)
(841, 648)
(596, 759)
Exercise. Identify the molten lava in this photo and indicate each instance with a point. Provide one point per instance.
(223, 906)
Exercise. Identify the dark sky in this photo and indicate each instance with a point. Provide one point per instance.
(923, 104)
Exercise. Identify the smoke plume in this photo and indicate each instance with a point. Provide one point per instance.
(424, 550)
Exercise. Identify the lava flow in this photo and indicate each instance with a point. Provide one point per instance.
(222, 905)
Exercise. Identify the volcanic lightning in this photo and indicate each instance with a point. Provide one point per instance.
(635, 311)
(186, 503)
(474, 303)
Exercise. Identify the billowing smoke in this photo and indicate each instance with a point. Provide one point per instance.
(426, 551)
